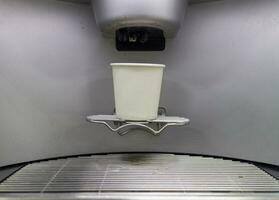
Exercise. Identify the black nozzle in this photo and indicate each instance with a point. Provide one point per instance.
(140, 39)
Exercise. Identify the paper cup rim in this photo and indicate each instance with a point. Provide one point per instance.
(137, 65)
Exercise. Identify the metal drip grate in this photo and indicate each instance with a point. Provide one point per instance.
(140, 173)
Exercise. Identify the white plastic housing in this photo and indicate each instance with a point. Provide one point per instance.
(137, 89)
(164, 14)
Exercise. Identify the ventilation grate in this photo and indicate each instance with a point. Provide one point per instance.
(140, 173)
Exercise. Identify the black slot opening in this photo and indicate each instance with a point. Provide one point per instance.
(140, 39)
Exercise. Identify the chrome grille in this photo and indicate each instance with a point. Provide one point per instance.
(140, 173)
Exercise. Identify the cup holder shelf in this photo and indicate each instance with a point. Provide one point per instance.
(154, 127)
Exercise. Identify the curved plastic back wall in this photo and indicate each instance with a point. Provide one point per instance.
(222, 72)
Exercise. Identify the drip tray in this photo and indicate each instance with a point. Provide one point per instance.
(140, 176)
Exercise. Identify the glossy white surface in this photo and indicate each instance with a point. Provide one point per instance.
(167, 15)
(222, 72)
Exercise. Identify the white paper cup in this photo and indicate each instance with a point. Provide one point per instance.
(137, 88)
